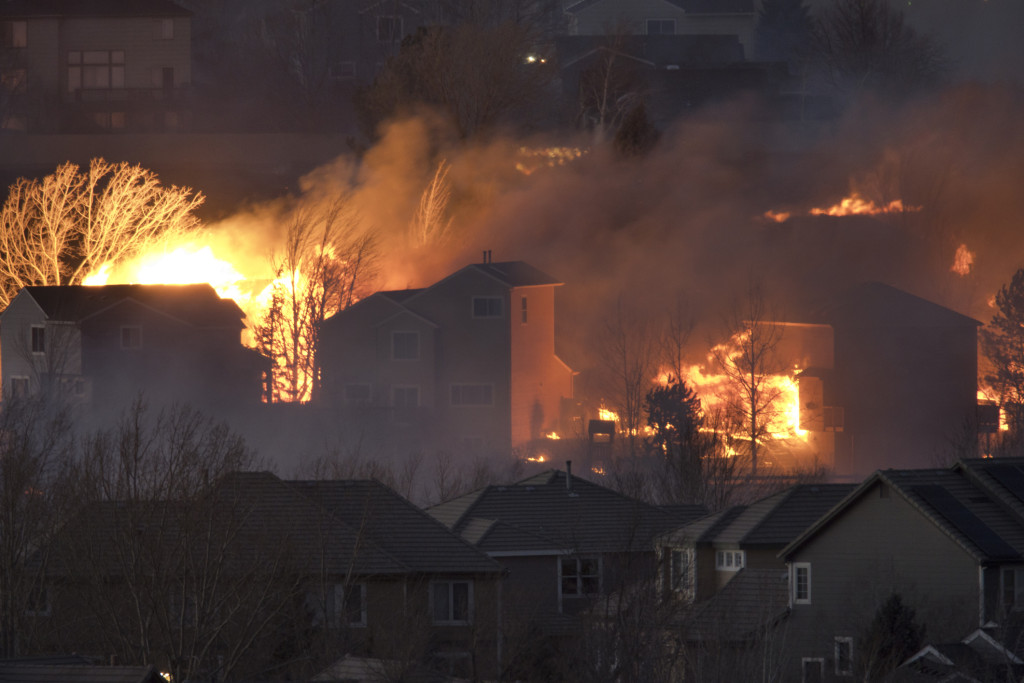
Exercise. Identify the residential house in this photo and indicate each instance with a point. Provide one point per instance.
(979, 656)
(567, 543)
(949, 542)
(257, 574)
(702, 557)
(888, 380)
(108, 65)
(102, 346)
(466, 364)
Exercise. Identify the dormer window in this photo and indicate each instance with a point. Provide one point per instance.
(729, 560)
(487, 306)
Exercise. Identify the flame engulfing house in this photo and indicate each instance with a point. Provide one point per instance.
(466, 363)
(104, 345)
(889, 379)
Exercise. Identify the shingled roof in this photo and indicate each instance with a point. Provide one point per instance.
(91, 8)
(543, 514)
(752, 600)
(194, 304)
(43, 672)
(874, 304)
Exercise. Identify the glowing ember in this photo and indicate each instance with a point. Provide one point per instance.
(552, 435)
(962, 260)
(857, 205)
(537, 458)
(533, 158)
(598, 471)
(777, 216)
(606, 414)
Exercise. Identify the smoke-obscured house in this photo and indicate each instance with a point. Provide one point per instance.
(102, 346)
(466, 364)
(950, 542)
(889, 380)
(107, 65)
(255, 574)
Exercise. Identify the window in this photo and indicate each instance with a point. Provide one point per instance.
(729, 560)
(801, 583)
(19, 387)
(131, 337)
(661, 27)
(37, 602)
(72, 386)
(472, 395)
(579, 576)
(812, 670)
(405, 400)
(357, 394)
(339, 606)
(1013, 588)
(451, 601)
(487, 306)
(523, 310)
(15, 34)
(95, 69)
(844, 655)
(389, 29)
(165, 29)
(405, 345)
(680, 577)
(38, 339)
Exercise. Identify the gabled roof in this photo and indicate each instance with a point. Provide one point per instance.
(397, 526)
(515, 274)
(195, 304)
(91, 8)
(541, 514)
(874, 304)
(958, 507)
(772, 521)
(752, 600)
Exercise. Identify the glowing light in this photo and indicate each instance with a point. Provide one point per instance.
(540, 457)
(606, 414)
(598, 470)
(777, 216)
(533, 158)
(962, 260)
(552, 436)
(857, 205)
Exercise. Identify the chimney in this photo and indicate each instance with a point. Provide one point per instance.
(487, 256)
(568, 476)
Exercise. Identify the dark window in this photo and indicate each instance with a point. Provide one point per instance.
(487, 307)
(813, 670)
(37, 602)
(38, 339)
(524, 310)
(15, 34)
(451, 601)
(663, 27)
(131, 337)
(405, 345)
(580, 576)
(389, 29)
(354, 604)
(844, 656)
(802, 582)
(95, 70)
(472, 395)
(19, 387)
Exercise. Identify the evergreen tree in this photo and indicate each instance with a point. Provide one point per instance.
(893, 636)
(1002, 342)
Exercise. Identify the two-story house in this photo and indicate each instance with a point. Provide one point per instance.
(109, 65)
(949, 542)
(255, 573)
(466, 364)
(103, 345)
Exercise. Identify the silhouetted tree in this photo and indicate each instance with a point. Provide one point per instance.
(1002, 342)
(58, 230)
(675, 418)
(892, 637)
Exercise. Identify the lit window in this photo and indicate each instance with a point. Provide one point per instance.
(38, 339)
(131, 337)
(844, 655)
(405, 345)
(451, 601)
(580, 576)
(487, 307)
(664, 27)
(802, 583)
(472, 395)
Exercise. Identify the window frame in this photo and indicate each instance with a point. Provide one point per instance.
(804, 661)
(79, 61)
(486, 398)
(487, 311)
(412, 356)
(730, 560)
(840, 643)
(450, 618)
(799, 567)
(15, 34)
(164, 28)
(524, 312)
(581, 578)
(37, 339)
(660, 23)
(128, 343)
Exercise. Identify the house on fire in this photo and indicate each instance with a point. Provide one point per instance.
(103, 66)
(889, 380)
(466, 363)
(101, 346)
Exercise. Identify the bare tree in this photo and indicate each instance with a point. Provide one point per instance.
(57, 230)
(749, 361)
(326, 262)
(611, 89)
(628, 352)
(431, 222)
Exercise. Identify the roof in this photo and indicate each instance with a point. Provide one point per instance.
(91, 8)
(27, 671)
(978, 657)
(874, 304)
(689, 6)
(772, 521)
(542, 514)
(752, 600)
(515, 273)
(958, 504)
(417, 540)
(195, 304)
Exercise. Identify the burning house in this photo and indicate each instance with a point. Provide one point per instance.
(467, 363)
(101, 346)
(887, 380)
